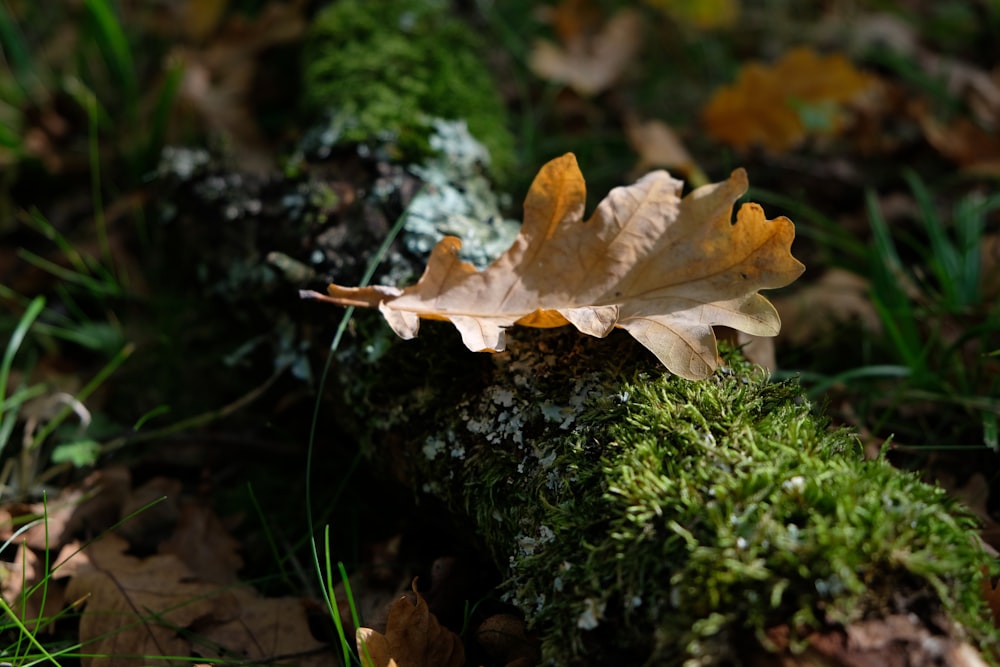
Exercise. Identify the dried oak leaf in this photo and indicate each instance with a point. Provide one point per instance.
(779, 106)
(260, 631)
(413, 638)
(663, 268)
(136, 608)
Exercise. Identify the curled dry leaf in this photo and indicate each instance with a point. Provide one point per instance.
(778, 106)
(413, 638)
(663, 268)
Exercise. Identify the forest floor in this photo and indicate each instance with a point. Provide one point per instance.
(168, 186)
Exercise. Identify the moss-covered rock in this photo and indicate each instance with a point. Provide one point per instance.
(640, 518)
(386, 68)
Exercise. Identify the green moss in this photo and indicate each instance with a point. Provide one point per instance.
(389, 67)
(646, 518)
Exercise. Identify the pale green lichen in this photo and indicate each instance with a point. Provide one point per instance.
(457, 199)
(385, 69)
(668, 516)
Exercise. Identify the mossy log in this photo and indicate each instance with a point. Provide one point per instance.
(640, 518)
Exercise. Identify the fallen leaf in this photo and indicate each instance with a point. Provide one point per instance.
(505, 639)
(837, 297)
(413, 638)
(93, 504)
(136, 608)
(663, 268)
(261, 630)
(777, 107)
(202, 542)
(29, 591)
(590, 63)
(969, 145)
(659, 146)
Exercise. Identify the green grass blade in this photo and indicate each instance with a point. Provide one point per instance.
(888, 293)
(824, 382)
(15, 50)
(160, 117)
(970, 225)
(943, 258)
(25, 632)
(331, 600)
(272, 544)
(16, 339)
(355, 618)
(373, 265)
(92, 285)
(114, 46)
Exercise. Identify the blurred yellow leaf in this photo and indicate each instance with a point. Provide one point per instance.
(703, 14)
(663, 268)
(778, 106)
(202, 17)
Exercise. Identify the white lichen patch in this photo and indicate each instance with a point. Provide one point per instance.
(501, 396)
(593, 612)
(457, 199)
(433, 446)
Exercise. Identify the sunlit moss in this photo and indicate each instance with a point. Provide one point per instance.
(387, 68)
(641, 515)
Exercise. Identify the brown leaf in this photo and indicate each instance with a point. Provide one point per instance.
(659, 146)
(964, 142)
(591, 63)
(837, 297)
(413, 638)
(261, 631)
(506, 641)
(202, 542)
(134, 606)
(28, 590)
(92, 505)
(765, 105)
(663, 268)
